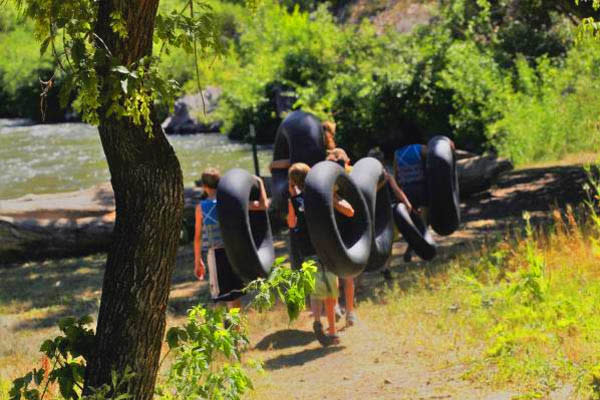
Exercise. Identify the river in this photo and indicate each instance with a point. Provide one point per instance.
(65, 157)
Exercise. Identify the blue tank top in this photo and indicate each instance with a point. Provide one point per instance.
(410, 168)
(211, 232)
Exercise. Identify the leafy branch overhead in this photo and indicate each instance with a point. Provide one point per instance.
(67, 30)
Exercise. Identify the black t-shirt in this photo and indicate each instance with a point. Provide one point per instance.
(299, 233)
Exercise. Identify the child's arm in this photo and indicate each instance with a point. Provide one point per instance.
(384, 181)
(399, 193)
(292, 220)
(263, 202)
(342, 206)
(284, 163)
(199, 269)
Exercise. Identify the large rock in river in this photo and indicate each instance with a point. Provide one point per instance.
(185, 119)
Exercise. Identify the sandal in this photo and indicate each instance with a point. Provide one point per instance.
(333, 339)
(324, 339)
(319, 333)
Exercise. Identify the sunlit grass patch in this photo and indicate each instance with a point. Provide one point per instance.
(522, 313)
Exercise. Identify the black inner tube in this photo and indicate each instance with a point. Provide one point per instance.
(299, 139)
(351, 229)
(246, 234)
(367, 173)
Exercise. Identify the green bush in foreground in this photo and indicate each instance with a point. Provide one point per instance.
(206, 352)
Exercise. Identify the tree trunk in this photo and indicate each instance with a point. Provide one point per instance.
(148, 187)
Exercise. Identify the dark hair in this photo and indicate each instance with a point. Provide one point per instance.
(210, 177)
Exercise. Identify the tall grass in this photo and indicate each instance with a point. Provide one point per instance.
(521, 314)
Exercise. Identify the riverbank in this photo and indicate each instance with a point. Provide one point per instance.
(427, 335)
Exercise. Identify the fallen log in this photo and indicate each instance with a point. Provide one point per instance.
(477, 174)
(35, 227)
(58, 225)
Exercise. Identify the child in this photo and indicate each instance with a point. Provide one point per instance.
(326, 289)
(410, 184)
(225, 285)
(340, 157)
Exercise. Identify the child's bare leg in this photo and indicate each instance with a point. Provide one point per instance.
(349, 294)
(315, 306)
(349, 297)
(330, 311)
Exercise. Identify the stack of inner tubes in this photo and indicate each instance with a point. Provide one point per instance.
(442, 180)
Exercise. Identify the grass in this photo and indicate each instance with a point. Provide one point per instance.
(513, 316)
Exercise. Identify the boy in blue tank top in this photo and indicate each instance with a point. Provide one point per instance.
(225, 285)
(410, 181)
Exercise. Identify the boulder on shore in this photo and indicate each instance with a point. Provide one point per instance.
(184, 121)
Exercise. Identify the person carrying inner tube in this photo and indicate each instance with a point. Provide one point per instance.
(225, 285)
(410, 181)
(340, 157)
(328, 128)
(326, 286)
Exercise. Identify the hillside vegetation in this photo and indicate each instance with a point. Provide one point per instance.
(507, 76)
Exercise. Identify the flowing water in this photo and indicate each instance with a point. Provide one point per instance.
(65, 157)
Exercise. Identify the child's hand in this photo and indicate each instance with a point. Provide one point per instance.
(199, 269)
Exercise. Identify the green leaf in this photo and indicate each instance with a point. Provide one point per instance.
(44, 45)
(85, 320)
(38, 376)
(48, 348)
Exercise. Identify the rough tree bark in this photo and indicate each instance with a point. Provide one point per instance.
(148, 187)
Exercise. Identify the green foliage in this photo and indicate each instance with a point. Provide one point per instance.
(208, 362)
(552, 110)
(68, 354)
(489, 74)
(291, 287)
(67, 29)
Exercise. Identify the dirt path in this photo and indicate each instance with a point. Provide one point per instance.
(371, 364)
(367, 365)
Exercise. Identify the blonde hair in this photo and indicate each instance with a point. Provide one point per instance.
(297, 174)
(338, 154)
(329, 134)
(210, 177)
